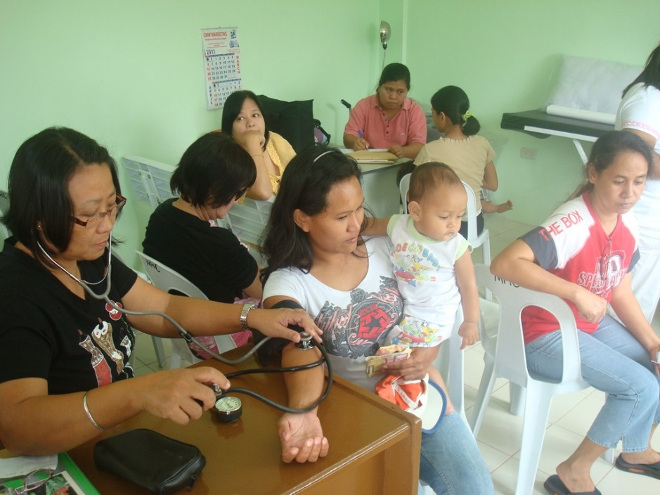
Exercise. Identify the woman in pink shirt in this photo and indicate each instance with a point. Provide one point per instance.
(389, 119)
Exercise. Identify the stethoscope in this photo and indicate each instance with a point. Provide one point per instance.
(305, 343)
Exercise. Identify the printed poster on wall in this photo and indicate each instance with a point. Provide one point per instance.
(222, 64)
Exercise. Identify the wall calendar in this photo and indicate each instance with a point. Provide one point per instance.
(222, 64)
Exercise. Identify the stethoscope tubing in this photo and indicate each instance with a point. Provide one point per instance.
(191, 339)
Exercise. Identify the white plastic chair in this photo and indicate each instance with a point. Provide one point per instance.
(171, 281)
(248, 220)
(489, 315)
(475, 240)
(156, 341)
(510, 362)
(4, 208)
(424, 489)
(451, 364)
(403, 190)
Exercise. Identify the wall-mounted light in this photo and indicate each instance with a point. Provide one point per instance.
(384, 33)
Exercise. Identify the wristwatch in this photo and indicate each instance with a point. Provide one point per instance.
(244, 312)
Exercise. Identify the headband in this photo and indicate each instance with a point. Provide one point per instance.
(322, 154)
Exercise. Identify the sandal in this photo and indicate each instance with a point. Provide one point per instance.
(556, 486)
(652, 470)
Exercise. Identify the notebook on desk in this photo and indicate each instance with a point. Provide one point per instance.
(373, 156)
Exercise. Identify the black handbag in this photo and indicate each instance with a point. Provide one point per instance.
(158, 463)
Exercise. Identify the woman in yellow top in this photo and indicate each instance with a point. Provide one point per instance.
(243, 119)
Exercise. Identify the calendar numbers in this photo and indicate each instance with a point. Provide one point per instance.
(221, 65)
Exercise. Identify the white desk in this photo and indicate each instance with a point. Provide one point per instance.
(381, 192)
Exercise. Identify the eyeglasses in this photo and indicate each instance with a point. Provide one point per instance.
(31, 482)
(97, 218)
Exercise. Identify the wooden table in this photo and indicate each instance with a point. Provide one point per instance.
(374, 446)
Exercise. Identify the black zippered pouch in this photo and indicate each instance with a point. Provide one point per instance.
(158, 463)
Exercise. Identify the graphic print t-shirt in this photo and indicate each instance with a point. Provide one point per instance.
(48, 332)
(572, 244)
(352, 321)
(424, 270)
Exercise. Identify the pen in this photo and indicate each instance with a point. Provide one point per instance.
(360, 133)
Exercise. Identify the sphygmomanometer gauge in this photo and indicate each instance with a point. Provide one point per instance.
(228, 409)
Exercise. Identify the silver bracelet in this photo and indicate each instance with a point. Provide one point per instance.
(244, 312)
(89, 414)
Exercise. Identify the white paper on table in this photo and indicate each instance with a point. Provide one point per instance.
(346, 151)
(22, 465)
(579, 113)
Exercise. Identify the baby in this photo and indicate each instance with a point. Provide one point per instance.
(432, 263)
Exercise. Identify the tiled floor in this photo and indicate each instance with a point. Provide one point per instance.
(500, 436)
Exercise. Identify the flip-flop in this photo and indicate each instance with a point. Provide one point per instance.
(652, 470)
(556, 486)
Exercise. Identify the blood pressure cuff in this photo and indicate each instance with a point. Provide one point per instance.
(272, 349)
(158, 463)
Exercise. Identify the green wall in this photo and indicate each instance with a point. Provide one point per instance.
(130, 74)
(505, 54)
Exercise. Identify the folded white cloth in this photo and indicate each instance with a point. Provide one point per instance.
(579, 113)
